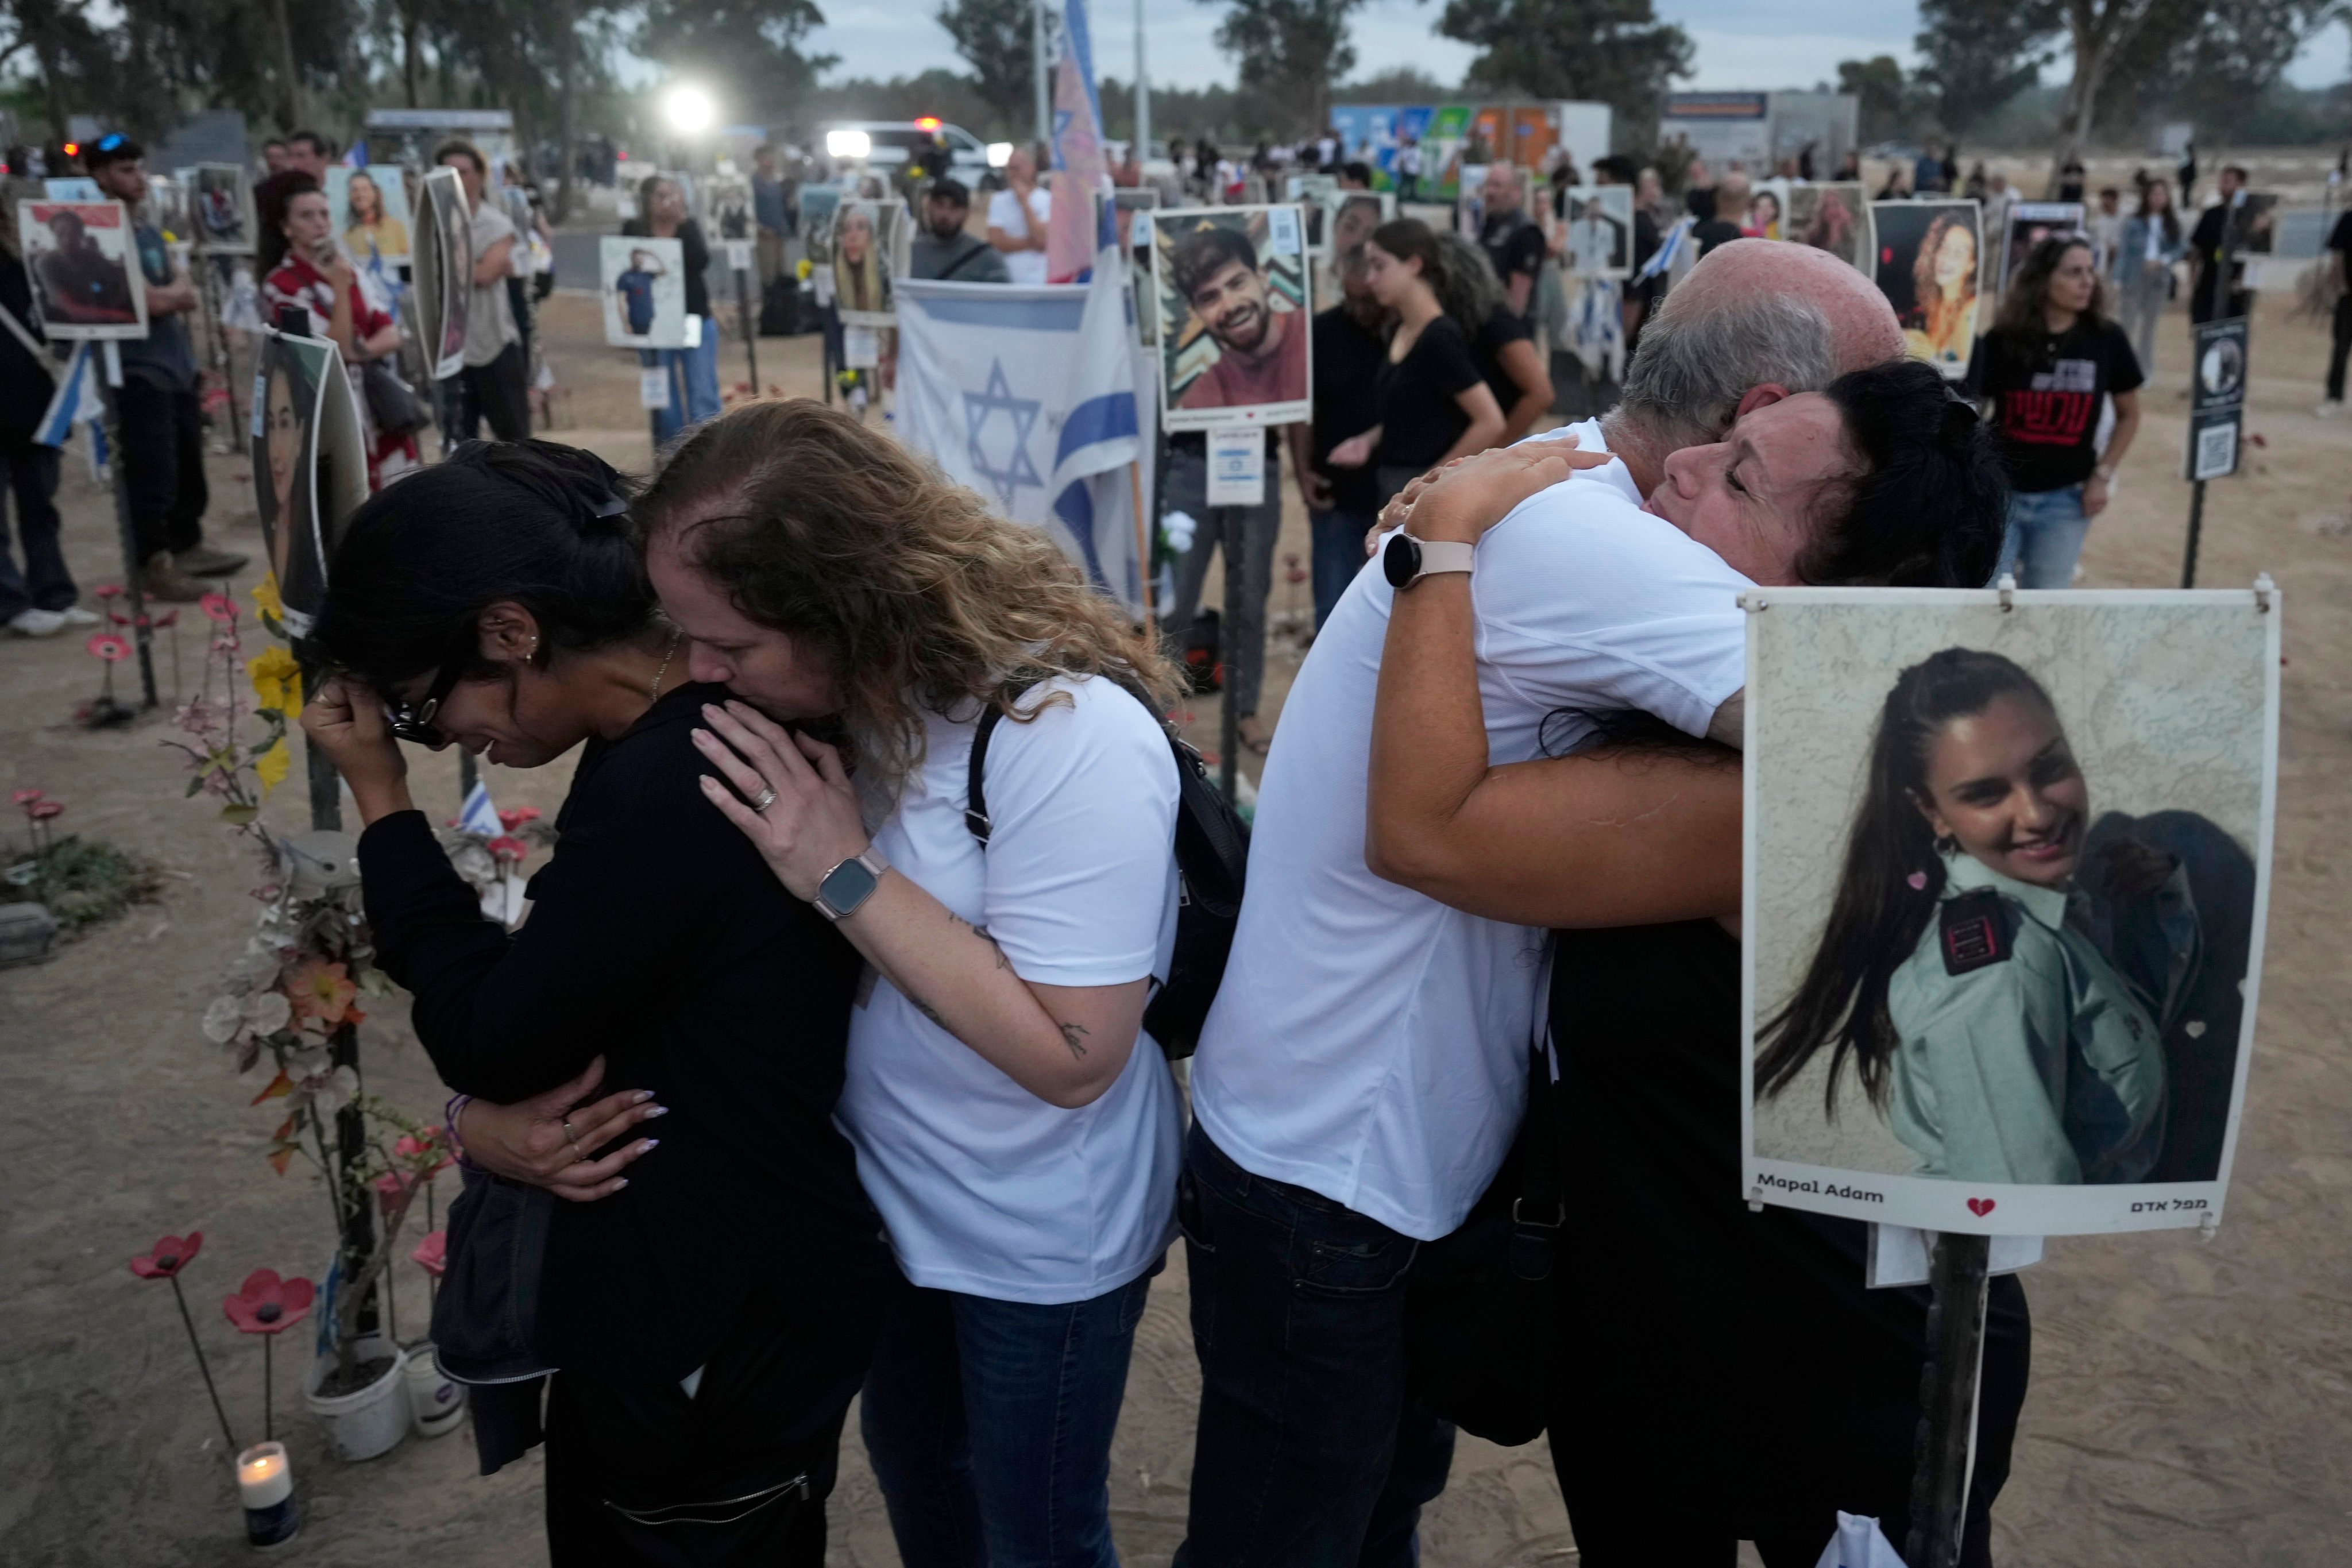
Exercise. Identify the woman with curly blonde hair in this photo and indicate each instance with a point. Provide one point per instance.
(1014, 1124)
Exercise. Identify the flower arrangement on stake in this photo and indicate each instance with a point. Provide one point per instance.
(292, 994)
(170, 1255)
(267, 1306)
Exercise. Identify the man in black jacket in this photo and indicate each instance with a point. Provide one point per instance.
(943, 250)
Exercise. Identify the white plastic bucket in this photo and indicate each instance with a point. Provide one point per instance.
(371, 1422)
(437, 1402)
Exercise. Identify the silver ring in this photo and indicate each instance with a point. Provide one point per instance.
(767, 798)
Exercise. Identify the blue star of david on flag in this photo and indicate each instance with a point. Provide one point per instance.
(983, 431)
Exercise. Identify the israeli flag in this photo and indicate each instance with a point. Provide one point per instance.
(1028, 396)
(477, 814)
(76, 400)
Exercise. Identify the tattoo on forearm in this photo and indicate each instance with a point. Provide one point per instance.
(1074, 1035)
(981, 932)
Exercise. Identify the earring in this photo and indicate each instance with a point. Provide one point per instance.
(1947, 845)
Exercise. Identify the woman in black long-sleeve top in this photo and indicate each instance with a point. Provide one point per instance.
(711, 1317)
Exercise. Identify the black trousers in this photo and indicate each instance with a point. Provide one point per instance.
(2339, 349)
(498, 392)
(729, 1475)
(162, 462)
(31, 471)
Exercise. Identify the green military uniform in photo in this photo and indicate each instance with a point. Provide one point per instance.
(2025, 1056)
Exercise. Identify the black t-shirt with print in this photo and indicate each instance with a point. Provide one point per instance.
(1513, 243)
(1418, 416)
(2046, 390)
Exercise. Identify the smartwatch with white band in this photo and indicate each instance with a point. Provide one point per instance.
(1405, 560)
(850, 884)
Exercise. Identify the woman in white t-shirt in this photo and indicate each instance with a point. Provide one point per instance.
(1014, 1124)
(1017, 219)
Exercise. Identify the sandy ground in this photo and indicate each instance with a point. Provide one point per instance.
(2191, 1403)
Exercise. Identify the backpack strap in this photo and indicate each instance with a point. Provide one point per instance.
(1541, 1209)
(975, 798)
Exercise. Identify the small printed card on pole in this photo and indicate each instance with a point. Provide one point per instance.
(1237, 466)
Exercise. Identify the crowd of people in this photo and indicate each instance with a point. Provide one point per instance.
(842, 736)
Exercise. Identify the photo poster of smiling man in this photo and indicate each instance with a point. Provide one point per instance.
(1232, 295)
(309, 465)
(2007, 868)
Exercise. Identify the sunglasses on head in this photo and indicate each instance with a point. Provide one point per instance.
(110, 141)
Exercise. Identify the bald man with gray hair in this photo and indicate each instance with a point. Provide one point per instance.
(1363, 1071)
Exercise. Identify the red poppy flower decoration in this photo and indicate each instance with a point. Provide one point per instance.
(432, 1253)
(169, 1255)
(509, 848)
(265, 1304)
(45, 810)
(24, 797)
(108, 646)
(218, 606)
(108, 590)
(517, 816)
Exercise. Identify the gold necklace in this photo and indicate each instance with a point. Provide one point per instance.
(668, 654)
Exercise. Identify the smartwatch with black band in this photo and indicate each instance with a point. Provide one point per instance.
(1405, 560)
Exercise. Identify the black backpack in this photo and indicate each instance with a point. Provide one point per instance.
(1211, 859)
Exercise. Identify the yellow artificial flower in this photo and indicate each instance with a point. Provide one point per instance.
(271, 765)
(277, 679)
(264, 593)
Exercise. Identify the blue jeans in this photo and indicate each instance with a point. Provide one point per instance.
(693, 382)
(1308, 1450)
(1338, 539)
(2043, 538)
(989, 1424)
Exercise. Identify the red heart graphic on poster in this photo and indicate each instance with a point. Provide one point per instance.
(1980, 1207)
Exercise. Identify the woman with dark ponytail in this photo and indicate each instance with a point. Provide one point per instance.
(706, 1314)
(1956, 973)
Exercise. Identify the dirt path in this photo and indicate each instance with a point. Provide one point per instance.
(2191, 1403)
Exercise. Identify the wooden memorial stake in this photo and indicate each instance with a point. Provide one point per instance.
(216, 344)
(1142, 549)
(1228, 520)
(107, 367)
(1947, 1400)
(750, 323)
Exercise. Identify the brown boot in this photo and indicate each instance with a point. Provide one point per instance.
(164, 581)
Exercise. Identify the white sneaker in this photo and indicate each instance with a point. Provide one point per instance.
(36, 624)
(77, 616)
(2331, 409)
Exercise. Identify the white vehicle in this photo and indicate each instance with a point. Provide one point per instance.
(886, 145)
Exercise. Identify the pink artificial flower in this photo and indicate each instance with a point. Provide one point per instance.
(509, 848)
(218, 606)
(168, 1256)
(45, 810)
(432, 1253)
(265, 1304)
(108, 646)
(24, 797)
(107, 590)
(511, 820)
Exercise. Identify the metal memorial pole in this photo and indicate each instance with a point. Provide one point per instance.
(2220, 281)
(1947, 1400)
(107, 366)
(751, 325)
(1038, 71)
(1229, 724)
(216, 342)
(1142, 93)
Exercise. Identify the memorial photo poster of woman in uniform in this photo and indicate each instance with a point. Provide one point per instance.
(1929, 259)
(644, 291)
(1232, 291)
(309, 465)
(2007, 870)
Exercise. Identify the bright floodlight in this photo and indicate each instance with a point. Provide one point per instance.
(849, 144)
(689, 109)
(999, 155)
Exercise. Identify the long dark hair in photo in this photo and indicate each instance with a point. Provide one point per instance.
(1878, 914)
(2021, 309)
(544, 525)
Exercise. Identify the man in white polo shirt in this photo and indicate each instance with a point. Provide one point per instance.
(1361, 1075)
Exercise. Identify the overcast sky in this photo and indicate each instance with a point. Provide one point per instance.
(1741, 44)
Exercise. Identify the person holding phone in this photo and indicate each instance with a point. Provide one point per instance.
(317, 278)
